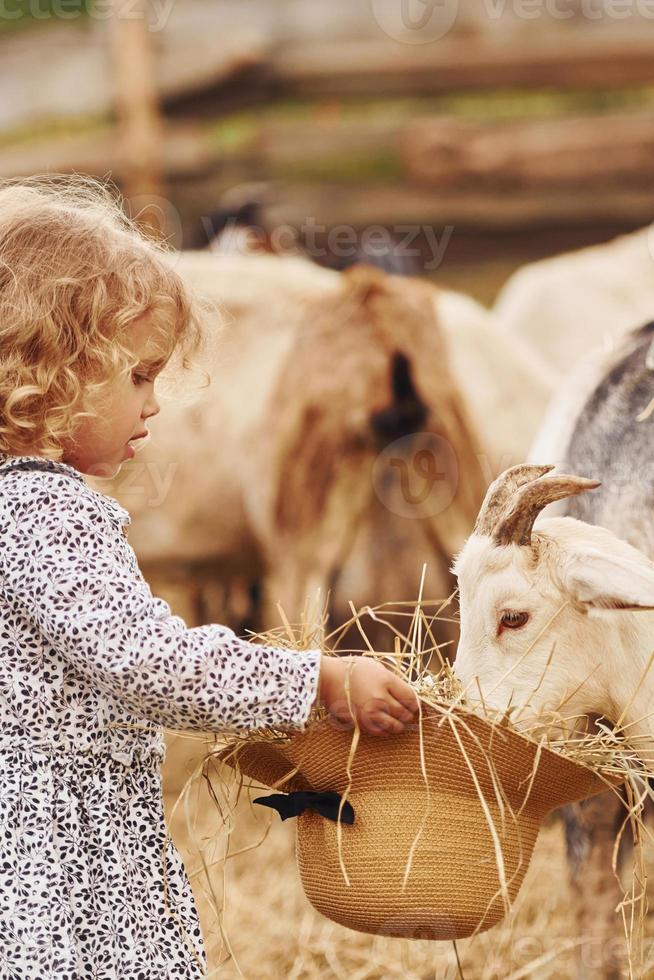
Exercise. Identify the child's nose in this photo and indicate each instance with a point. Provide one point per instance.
(151, 407)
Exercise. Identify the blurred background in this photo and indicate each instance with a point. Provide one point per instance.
(452, 141)
(525, 126)
(450, 145)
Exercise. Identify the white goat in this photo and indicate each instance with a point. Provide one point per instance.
(548, 610)
(571, 304)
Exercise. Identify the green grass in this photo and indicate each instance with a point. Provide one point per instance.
(54, 129)
(383, 165)
(23, 14)
(233, 134)
(240, 127)
(543, 103)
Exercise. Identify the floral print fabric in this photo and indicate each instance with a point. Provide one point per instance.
(92, 667)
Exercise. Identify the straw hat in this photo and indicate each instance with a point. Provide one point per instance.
(438, 858)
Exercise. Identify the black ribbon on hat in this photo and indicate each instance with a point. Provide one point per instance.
(293, 804)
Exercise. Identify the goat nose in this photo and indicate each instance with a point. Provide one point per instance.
(407, 412)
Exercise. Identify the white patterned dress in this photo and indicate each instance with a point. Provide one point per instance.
(92, 666)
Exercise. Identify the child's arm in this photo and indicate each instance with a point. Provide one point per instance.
(63, 562)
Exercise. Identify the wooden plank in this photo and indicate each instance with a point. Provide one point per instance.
(344, 67)
(510, 193)
(577, 61)
(544, 152)
(393, 204)
(184, 153)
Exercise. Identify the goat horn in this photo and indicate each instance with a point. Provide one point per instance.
(529, 500)
(500, 492)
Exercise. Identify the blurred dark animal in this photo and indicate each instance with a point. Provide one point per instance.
(240, 226)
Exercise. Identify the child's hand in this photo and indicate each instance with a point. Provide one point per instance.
(381, 701)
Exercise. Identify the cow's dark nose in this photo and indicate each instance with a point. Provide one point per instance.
(407, 412)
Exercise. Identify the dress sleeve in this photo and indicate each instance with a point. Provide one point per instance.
(62, 561)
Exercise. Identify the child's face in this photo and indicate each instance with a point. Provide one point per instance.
(102, 444)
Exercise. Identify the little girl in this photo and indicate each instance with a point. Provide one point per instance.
(92, 666)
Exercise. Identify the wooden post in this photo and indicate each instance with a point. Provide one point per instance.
(139, 122)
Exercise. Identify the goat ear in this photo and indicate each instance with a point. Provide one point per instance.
(601, 581)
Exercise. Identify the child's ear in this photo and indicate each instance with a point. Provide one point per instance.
(602, 581)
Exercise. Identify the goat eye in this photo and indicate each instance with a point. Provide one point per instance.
(511, 619)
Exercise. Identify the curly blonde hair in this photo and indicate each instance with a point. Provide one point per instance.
(75, 273)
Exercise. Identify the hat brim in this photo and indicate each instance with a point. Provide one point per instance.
(446, 818)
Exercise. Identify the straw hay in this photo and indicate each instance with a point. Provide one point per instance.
(244, 888)
(275, 933)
